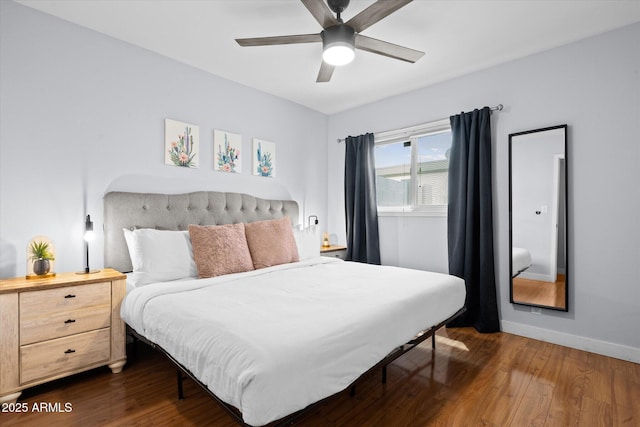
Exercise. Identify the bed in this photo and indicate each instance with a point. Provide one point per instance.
(265, 342)
(520, 261)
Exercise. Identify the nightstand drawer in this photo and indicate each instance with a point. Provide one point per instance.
(43, 303)
(336, 254)
(56, 325)
(61, 355)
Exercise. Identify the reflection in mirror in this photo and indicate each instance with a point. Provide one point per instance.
(538, 217)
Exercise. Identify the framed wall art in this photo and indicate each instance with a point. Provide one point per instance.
(181, 143)
(264, 158)
(227, 151)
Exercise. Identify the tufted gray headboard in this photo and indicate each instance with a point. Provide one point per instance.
(176, 212)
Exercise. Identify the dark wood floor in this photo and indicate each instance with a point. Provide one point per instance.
(549, 294)
(470, 380)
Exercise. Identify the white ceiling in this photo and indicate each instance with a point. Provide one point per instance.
(458, 37)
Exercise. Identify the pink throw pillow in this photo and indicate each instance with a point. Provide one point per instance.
(271, 242)
(220, 249)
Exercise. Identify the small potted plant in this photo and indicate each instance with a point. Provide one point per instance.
(41, 255)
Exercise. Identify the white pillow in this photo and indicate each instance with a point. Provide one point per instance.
(134, 253)
(308, 242)
(159, 255)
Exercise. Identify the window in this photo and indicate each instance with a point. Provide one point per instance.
(412, 169)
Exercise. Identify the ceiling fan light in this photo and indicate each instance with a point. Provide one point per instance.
(338, 44)
(338, 53)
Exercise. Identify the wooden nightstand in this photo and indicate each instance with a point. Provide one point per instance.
(334, 251)
(54, 327)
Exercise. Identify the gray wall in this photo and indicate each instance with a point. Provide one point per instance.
(82, 113)
(593, 86)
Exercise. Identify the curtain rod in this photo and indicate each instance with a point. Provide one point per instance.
(498, 107)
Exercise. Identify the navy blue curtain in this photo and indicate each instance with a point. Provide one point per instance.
(470, 218)
(361, 210)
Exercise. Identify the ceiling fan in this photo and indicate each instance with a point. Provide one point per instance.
(339, 39)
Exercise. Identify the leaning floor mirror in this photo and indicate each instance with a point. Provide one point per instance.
(538, 217)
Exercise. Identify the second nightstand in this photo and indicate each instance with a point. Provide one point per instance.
(334, 251)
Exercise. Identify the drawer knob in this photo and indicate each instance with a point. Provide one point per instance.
(70, 321)
(70, 351)
(70, 296)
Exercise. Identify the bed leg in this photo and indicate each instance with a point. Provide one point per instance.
(134, 344)
(180, 391)
(384, 374)
(433, 340)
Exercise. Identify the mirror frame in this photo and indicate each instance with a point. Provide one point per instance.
(565, 218)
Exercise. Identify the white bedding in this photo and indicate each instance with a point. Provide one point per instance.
(273, 341)
(521, 260)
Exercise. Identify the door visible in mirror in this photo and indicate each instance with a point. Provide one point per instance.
(538, 218)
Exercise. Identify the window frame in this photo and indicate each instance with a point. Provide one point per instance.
(411, 135)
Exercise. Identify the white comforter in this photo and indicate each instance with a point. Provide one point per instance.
(272, 341)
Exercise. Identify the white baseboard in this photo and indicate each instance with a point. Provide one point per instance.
(604, 348)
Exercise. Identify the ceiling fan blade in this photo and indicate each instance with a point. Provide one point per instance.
(268, 41)
(387, 49)
(321, 12)
(374, 13)
(325, 73)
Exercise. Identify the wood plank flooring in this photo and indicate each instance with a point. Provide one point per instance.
(550, 294)
(471, 379)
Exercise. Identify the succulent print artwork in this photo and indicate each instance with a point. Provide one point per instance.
(181, 142)
(264, 158)
(227, 148)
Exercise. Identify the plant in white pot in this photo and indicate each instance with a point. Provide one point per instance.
(41, 255)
